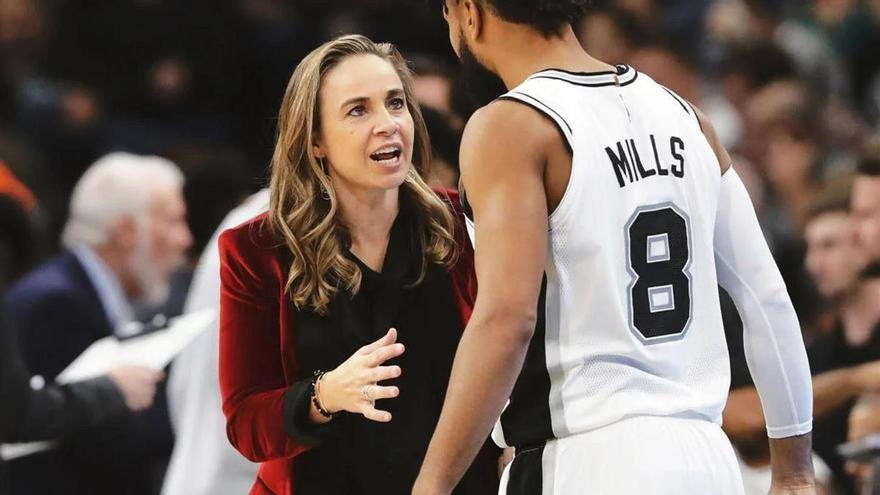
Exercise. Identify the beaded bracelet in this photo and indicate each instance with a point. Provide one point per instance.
(316, 390)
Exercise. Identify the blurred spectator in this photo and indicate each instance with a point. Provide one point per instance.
(16, 240)
(125, 237)
(12, 187)
(677, 73)
(51, 412)
(432, 82)
(56, 412)
(850, 353)
(866, 207)
(644, 10)
(833, 260)
(214, 185)
(864, 420)
(678, 21)
(203, 461)
(611, 34)
(463, 105)
(851, 26)
(445, 142)
(744, 23)
(782, 145)
(784, 141)
(747, 68)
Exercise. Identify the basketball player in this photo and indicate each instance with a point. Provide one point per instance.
(606, 214)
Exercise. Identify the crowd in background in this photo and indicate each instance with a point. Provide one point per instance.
(791, 86)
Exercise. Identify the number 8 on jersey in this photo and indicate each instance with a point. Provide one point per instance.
(658, 256)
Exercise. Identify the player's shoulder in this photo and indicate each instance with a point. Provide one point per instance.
(512, 124)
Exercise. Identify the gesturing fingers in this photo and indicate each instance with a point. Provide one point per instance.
(352, 386)
(388, 339)
(374, 414)
(383, 373)
(383, 354)
(372, 393)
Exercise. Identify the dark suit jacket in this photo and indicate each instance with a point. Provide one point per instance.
(258, 347)
(54, 411)
(57, 314)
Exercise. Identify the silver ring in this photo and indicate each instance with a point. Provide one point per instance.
(366, 392)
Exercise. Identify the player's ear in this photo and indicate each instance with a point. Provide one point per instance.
(473, 19)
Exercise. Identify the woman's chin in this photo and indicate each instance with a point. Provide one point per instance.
(392, 178)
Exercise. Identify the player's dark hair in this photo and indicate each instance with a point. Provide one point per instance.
(546, 16)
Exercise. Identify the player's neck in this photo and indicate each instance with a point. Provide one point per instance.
(525, 52)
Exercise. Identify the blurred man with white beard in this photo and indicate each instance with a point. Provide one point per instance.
(125, 237)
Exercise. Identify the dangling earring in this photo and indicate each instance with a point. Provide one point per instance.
(325, 194)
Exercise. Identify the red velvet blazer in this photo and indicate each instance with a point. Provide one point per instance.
(258, 340)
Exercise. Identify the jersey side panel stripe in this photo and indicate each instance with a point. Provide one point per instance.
(527, 419)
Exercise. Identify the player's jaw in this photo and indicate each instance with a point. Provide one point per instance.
(482, 84)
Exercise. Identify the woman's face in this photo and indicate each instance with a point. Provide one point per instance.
(367, 132)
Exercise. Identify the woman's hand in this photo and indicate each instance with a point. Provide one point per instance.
(353, 385)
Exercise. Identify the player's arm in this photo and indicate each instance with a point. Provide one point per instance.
(772, 337)
(503, 157)
(744, 421)
(831, 390)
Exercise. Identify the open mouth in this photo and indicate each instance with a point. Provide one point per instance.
(388, 155)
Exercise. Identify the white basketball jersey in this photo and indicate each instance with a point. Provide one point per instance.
(630, 322)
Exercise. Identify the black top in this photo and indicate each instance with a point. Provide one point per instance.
(353, 455)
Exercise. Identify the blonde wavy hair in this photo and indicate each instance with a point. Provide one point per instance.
(300, 211)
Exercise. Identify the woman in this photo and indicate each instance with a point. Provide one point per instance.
(315, 385)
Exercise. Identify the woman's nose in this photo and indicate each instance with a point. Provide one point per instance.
(387, 125)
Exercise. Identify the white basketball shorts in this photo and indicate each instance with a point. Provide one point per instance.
(636, 456)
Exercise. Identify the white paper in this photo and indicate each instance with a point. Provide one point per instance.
(9, 451)
(154, 350)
